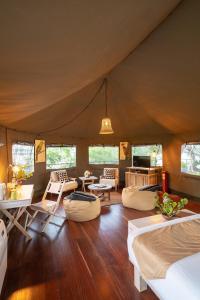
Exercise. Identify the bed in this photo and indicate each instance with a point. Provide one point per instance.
(182, 279)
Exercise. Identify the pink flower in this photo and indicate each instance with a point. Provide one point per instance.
(165, 199)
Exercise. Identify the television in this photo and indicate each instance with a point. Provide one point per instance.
(141, 161)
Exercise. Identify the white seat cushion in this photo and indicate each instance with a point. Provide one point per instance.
(112, 182)
(44, 206)
(70, 185)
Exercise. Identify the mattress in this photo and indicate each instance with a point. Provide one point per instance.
(182, 280)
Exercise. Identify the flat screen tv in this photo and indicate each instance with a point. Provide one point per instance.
(141, 161)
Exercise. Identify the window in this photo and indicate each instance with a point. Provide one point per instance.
(103, 155)
(154, 151)
(60, 156)
(23, 155)
(190, 158)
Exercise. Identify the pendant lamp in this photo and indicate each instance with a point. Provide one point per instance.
(106, 126)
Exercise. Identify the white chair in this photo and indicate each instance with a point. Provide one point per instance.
(62, 176)
(113, 173)
(48, 207)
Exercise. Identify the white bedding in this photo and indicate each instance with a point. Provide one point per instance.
(182, 280)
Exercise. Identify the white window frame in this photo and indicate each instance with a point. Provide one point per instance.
(62, 165)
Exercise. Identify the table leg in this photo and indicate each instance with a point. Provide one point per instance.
(139, 282)
(15, 216)
(83, 186)
(15, 222)
(28, 215)
(101, 196)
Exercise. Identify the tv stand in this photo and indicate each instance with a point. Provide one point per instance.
(138, 176)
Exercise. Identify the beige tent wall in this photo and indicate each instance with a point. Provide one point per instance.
(3, 155)
(41, 175)
(184, 183)
(171, 158)
(66, 46)
(6, 157)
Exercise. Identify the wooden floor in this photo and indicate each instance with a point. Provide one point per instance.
(76, 261)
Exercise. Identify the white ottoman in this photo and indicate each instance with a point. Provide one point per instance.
(81, 211)
(132, 197)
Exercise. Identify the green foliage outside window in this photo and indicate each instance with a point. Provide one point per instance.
(59, 157)
(103, 155)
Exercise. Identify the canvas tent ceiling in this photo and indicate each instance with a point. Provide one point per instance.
(55, 54)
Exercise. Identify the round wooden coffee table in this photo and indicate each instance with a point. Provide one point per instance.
(100, 190)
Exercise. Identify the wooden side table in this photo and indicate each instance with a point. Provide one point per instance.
(87, 181)
(100, 188)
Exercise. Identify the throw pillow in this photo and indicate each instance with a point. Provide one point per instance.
(109, 173)
(80, 197)
(151, 188)
(62, 176)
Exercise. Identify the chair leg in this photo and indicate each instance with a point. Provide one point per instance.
(46, 223)
(28, 215)
(58, 216)
(32, 218)
(116, 188)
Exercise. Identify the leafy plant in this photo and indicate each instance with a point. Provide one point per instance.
(169, 207)
(20, 173)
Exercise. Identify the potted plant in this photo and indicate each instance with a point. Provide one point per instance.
(168, 206)
(19, 174)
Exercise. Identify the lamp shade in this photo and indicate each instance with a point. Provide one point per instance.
(106, 126)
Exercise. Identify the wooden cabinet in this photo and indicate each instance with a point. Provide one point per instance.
(142, 176)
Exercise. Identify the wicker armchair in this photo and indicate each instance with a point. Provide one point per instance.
(61, 175)
(110, 176)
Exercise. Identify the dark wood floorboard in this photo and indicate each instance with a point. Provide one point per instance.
(75, 261)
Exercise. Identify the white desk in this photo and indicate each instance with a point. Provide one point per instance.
(20, 204)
